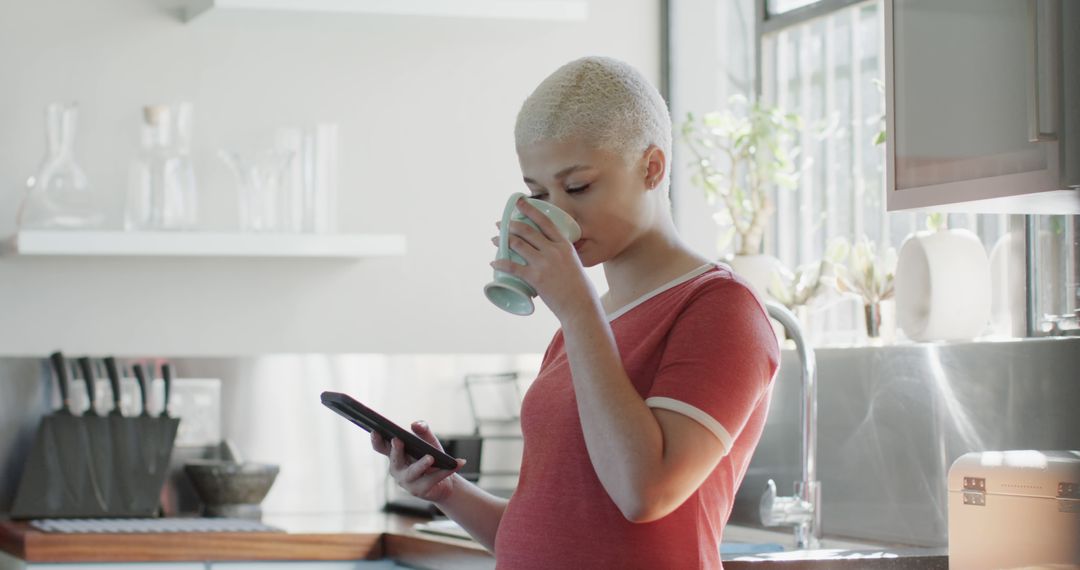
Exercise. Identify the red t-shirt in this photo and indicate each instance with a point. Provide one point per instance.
(702, 346)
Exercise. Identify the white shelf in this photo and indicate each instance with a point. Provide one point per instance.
(200, 244)
(565, 10)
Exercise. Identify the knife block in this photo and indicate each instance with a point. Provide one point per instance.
(95, 466)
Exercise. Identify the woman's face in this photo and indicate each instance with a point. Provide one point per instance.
(606, 196)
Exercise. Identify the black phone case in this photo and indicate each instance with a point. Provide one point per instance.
(369, 420)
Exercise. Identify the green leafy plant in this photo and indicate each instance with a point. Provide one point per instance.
(801, 286)
(881, 136)
(739, 154)
(937, 221)
(861, 270)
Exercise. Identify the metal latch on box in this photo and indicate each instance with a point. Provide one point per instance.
(1068, 497)
(1068, 494)
(974, 491)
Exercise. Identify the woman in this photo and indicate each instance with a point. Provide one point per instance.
(651, 397)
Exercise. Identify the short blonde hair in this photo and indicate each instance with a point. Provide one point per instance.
(606, 102)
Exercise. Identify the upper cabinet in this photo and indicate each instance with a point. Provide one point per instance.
(983, 105)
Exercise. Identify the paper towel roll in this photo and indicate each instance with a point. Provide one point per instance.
(942, 286)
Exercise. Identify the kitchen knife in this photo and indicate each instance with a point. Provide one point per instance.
(144, 387)
(60, 365)
(73, 440)
(114, 383)
(166, 424)
(150, 429)
(91, 383)
(167, 377)
(99, 444)
(125, 440)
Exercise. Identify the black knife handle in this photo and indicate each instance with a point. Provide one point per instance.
(60, 366)
(91, 382)
(114, 380)
(143, 387)
(167, 378)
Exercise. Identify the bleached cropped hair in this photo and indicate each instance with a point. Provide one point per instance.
(606, 102)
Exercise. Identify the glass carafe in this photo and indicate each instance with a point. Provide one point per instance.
(261, 189)
(59, 196)
(162, 194)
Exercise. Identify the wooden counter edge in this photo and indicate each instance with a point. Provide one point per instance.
(410, 547)
(32, 546)
(12, 539)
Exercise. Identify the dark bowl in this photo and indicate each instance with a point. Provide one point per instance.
(227, 483)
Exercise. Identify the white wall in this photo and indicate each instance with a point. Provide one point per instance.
(426, 108)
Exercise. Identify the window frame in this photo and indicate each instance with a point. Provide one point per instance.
(765, 23)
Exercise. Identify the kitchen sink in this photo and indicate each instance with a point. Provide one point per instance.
(744, 540)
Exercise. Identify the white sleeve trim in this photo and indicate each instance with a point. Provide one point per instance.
(695, 414)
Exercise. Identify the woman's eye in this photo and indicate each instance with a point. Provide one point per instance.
(539, 196)
(577, 189)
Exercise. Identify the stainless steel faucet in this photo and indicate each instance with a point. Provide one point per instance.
(803, 509)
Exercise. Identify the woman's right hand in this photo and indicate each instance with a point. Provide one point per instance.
(418, 477)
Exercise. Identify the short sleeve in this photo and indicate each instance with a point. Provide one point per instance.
(719, 360)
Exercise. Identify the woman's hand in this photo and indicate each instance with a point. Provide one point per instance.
(553, 269)
(417, 477)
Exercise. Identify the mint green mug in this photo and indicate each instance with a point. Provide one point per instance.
(508, 292)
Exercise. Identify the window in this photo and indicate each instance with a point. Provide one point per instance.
(823, 60)
(827, 65)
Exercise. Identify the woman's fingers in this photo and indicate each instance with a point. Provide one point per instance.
(378, 443)
(418, 468)
(433, 477)
(419, 477)
(421, 429)
(528, 233)
(547, 227)
(397, 455)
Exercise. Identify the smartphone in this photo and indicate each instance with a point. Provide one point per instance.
(368, 419)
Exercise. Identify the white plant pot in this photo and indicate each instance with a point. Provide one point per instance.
(942, 286)
(756, 269)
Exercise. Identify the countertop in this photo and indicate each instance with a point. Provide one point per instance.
(315, 537)
(371, 536)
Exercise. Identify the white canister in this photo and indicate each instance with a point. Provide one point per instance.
(942, 286)
(1008, 286)
(758, 270)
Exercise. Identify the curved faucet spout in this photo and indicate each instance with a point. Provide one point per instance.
(803, 510)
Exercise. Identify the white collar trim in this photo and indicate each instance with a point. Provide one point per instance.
(674, 282)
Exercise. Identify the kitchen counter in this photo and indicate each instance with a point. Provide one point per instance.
(375, 536)
(315, 537)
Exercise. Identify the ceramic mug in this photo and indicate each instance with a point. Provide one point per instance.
(508, 292)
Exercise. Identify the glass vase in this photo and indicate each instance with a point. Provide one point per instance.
(59, 196)
(872, 312)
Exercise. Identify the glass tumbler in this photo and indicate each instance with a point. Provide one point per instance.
(261, 189)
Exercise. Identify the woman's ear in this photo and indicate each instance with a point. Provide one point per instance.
(655, 165)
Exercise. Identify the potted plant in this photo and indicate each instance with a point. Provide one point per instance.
(739, 154)
(868, 275)
(797, 288)
(801, 288)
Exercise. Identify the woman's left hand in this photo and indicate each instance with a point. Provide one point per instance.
(553, 269)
